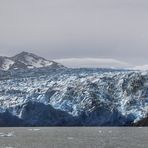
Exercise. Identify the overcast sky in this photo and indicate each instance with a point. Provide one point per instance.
(58, 29)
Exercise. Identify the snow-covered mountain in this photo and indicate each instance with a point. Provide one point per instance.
(43, 96)
(26, 60)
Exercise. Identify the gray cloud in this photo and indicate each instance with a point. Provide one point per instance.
(76, 28)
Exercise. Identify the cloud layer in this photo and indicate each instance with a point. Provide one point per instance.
(93, 63)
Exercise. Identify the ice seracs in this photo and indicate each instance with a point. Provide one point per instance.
(75, 97)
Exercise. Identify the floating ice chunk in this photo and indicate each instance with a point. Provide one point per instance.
(34, 129)
(9, 147)
(110, 131)
(70, 138)
(11, 134)
(100, 131)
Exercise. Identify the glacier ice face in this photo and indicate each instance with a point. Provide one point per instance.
(75, 96)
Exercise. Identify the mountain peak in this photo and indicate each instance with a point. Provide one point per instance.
(26, 60)
(23, 54)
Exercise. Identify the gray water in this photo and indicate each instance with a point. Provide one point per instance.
(74, 137)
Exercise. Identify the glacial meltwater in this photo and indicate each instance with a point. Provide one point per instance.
(74, 137)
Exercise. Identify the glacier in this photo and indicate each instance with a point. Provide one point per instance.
(73, 97)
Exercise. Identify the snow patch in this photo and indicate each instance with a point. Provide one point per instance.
(7, 63)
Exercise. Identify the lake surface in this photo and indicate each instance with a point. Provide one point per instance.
(74, 137)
